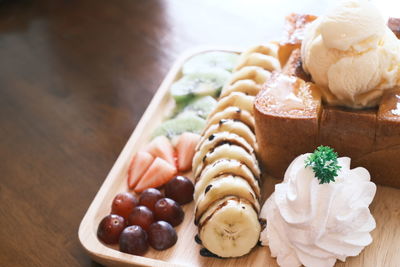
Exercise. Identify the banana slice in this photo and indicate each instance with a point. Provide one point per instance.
(248, 87)
(266, 62)
(231, 126)
(233, 113)
(222, 186)
(257, 74)
(237, 99)
(230, 152)
(225, 166)
(267, 49)
(265, 56)
(230, 227)
(206, 145)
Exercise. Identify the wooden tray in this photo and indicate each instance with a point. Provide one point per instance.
(384, 251)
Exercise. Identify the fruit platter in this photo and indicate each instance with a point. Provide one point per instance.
(260, 158)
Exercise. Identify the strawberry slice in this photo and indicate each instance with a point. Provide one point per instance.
(185, 147)
(138, 166)
(161, 147)
(159, 172)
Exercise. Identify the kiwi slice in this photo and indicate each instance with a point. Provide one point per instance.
(202, 83)
(214, 59)
(186, 121)
(201, 106)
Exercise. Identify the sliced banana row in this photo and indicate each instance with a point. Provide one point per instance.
(229, 151)
(227, 166)
(254, 68)
(233, 113)
(235, 99)
(226, 170)
(207, 145)
(264, 56)
(230, 126)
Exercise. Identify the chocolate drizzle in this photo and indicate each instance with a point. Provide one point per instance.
(206, 253)
(207, 188)
(223, 142)
(263, 223)
(197, 239)
(222, 121)
(220, 206)
(230, 142)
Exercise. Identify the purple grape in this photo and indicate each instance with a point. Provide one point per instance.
(133, 240)
(162, 235)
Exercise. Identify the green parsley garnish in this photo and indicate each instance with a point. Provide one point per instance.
(324, 164)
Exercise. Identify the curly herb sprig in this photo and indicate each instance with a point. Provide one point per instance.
(324, 164)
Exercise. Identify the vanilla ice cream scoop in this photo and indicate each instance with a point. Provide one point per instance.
(352, 55)
(315, 224)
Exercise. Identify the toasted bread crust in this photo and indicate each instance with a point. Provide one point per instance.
(371, 137)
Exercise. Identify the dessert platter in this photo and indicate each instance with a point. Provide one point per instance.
(286, 154)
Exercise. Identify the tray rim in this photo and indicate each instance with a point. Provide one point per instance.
(90, 243)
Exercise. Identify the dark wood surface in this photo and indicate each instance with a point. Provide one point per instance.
(75, 78)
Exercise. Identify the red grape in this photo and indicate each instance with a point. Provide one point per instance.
(162, 235)
(123, 204)
(110, 228)
(149, 197)
(142, 216)
(180, 189)
(168, 210)
(133, 240)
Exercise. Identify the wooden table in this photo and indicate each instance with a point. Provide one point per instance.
(75, 78)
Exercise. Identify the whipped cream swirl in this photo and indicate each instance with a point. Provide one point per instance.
(314, 224)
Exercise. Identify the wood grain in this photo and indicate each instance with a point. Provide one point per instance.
(385, 208)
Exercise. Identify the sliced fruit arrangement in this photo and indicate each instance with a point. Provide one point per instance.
(211, 60)
(185, 148)
(202, 83)
(138, 166)
(264, 56)
(194, 93)
(204, 75)
(187, 121)
(153, 166)
(236, 99)
(236, 234)
(232, 126)
(162, 148)
(225, 166)
(233, 113)
(159, 173)
(254, 68)
(201, 106)
(160, 161)
(137, 222)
